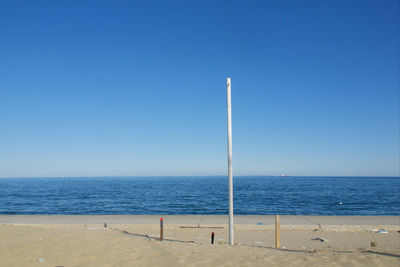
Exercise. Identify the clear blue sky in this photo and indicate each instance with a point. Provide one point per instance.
(98, 88)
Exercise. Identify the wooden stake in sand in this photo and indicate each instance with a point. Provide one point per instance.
(212, 238)
(277, 231)
(161, 229)
(230, 170)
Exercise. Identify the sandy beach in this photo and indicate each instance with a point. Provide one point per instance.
(128, 240)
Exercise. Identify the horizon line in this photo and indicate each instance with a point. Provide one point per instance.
(219, 175)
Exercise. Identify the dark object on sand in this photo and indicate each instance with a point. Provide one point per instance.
(318, 239)
(161, 229)
(373, 244)
(212, 238)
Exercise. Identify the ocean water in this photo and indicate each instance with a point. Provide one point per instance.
(201, 195)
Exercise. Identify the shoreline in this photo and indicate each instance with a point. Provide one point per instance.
(299, 220)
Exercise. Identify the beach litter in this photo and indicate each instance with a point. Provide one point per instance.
(318, 229)
(319, 239)
(260, 223)
(373, 244)
(40, 260)
(381, 231)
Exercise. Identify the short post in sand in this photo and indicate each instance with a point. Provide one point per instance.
(161, 229)
(230, 170)
(277, 231)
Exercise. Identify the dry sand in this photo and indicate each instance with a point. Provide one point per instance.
(77, 244)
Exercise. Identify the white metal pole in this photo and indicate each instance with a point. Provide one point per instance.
(230, 175)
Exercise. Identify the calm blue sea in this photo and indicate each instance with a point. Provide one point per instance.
(201, 195)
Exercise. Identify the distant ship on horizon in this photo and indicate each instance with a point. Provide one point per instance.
(284, 174)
